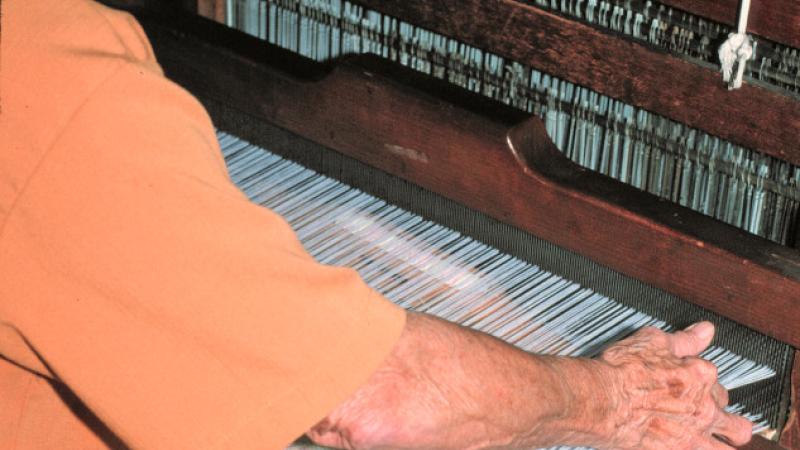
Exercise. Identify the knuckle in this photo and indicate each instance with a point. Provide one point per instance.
(744, 426)
(649, 331)
(722, 395)
(706, 414)
(653, 334)
(613, 354)
(650, 338)
(706, 370)
(710, 370)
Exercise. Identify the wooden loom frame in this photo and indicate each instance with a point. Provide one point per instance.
(747, 279)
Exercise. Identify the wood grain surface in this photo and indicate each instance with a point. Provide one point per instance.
(790, 437)
(752, 116)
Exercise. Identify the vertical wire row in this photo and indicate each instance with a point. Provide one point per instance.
(741, 187)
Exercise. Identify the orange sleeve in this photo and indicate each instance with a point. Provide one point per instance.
(134, 272)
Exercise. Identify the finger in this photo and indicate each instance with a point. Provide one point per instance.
(326, 438)
(705, 372)
(720, 395)
(693, 340)
(736, 430)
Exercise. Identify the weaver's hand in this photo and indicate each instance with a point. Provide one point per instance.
(667, 398)
(446, 387)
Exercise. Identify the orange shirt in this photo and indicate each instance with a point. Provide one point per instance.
(140, 291)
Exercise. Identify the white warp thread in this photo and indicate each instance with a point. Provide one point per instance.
(736, 50)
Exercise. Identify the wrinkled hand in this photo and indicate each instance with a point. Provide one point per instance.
(667, 398)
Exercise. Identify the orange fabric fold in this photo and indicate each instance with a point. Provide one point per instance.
(166, 309)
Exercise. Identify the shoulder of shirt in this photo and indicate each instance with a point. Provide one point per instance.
(68, 47)
(56, 55)
(79, 28)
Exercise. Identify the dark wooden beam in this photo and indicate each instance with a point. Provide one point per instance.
(776, 20)
(790, 437)
(656, 81)
(212, 9)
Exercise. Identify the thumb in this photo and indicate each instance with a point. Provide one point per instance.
(692, 340)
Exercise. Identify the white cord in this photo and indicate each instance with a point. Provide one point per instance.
(736, 50)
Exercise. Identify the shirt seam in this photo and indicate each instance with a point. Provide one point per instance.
(98, 8)
(22, 409)
(49, 149)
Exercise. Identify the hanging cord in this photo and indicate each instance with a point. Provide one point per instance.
(735, 51)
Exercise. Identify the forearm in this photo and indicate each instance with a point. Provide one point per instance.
(445, 386)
